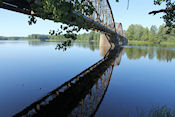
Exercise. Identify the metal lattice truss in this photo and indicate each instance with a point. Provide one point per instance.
(102, 18)
(103, 14)
(119, 29)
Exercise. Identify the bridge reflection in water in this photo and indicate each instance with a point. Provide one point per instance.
(81, 95)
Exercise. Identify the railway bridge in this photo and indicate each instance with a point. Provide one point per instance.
(101, 19)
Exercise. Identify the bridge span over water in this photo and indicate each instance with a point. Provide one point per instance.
(102, 18)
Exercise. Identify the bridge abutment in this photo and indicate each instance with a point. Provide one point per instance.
(108, 41)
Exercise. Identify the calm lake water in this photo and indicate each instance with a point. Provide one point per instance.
(143, 80)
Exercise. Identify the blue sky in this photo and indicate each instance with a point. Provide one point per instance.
(16, 24)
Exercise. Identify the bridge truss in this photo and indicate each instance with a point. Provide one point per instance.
(102, 18)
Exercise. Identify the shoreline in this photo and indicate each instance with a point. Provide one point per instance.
(150, 42)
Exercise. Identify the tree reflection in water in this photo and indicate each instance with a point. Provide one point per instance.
(155, 111)
(162, 53)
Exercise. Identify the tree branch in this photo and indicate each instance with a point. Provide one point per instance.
(162, 11)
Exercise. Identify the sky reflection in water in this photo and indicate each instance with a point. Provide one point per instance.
(29, 70)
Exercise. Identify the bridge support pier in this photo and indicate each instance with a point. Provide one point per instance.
(104, 41)
(104, 45)
(107, 42)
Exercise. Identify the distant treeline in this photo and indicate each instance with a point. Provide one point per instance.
(86, 37)
(154, 34)
(10, 38)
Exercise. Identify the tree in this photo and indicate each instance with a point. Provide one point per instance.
(145, 35)
(169, 13)
(161, 32)
(130, 32)
(152, 33)
(135, 32)
(139, 32)
(153, 29)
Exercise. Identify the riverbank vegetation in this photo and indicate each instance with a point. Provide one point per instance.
(10, 38)
(139, 34)
(85, 37)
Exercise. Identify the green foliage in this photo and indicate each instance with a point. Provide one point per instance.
(85, 37)
(139, 33)
(169, 13)
(90, 40)
(63, 11)
(10, 38)
(130, 33)
(38, 36)
(153, 29)
(88, 37)
(32, 20)
(145, 36)
(63, 45)
(153, 33)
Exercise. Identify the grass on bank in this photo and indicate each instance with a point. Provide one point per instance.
(149, 42)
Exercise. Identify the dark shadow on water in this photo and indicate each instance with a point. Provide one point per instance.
(81, 95)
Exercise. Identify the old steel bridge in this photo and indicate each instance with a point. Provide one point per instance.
(83, 94)
(102, 18)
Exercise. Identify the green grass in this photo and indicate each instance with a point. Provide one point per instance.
(53, 40)
(149, 42)
(32, 39)
(140, 42)
(167, 43)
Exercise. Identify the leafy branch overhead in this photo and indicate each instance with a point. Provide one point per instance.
(169, 13)
(54, 10)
